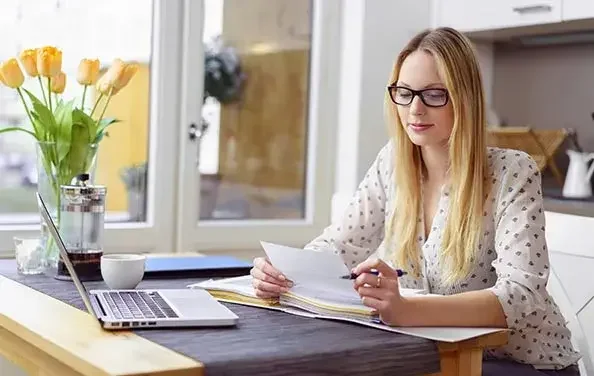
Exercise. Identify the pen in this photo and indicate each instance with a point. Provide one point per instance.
(375, 272)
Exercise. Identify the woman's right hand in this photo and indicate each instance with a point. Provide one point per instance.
(268, 282)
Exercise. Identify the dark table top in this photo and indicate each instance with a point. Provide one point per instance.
(267, 342)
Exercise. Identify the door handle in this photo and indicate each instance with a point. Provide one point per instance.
(537, 8)
(195, 133)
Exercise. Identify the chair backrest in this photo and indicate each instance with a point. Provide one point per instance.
(571, 282)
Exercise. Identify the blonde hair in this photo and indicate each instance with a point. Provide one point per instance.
(457, 64)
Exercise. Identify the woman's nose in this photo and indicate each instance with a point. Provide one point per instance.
(417, 107)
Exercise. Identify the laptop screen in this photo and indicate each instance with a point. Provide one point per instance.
(60, 244)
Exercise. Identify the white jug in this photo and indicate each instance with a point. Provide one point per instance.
(577, 181)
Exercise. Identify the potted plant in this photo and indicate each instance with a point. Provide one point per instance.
(67, 133)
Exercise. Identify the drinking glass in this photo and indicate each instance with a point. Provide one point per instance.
(29, 256)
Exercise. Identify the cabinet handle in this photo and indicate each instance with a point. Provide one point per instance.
(533, 9)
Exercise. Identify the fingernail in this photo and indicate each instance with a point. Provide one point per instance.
(284, 289)
(282, 277)
(289, 283)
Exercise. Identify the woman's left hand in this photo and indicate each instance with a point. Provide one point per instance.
(380, 292)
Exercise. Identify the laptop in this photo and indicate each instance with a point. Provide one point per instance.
(154, 308)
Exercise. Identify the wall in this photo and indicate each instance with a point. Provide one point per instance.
(373, 34)
(547, 87)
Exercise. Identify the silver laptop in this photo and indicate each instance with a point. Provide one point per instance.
(126, 309)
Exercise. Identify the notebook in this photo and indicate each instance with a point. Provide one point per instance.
(320, 293)
(195, 267)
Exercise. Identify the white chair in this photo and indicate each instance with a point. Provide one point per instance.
(571, 247)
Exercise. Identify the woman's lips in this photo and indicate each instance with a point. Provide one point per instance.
(419, 127)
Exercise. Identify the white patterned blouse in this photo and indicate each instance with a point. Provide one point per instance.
(512, 257)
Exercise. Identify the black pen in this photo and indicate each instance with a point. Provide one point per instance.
(375, 272)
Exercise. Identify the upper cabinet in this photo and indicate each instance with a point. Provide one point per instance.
(480, 15)
(577, 9)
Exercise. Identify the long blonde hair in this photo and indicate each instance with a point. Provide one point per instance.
(457, 63)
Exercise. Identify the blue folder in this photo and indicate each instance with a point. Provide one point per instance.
(195, 267)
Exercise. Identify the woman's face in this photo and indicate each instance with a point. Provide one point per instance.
(428, 120)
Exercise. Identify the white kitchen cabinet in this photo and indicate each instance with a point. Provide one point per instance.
(577, 9)
(480, 15)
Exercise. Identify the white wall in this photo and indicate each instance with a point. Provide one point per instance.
(374, 32)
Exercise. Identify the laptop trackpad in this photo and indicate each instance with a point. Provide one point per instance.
(196, 303)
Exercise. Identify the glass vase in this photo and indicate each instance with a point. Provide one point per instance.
(57, 165)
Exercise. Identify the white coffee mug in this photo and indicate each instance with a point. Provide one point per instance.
(122, 271)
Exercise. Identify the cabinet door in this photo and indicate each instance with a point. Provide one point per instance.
(480, 15)
(577, 9)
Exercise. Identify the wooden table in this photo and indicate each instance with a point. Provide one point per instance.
(45, 336)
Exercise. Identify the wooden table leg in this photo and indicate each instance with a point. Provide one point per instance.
(466, 358)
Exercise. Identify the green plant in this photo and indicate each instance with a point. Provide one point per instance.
(67, 133)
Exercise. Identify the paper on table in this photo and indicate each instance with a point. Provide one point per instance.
(298, 264)
(435, 333)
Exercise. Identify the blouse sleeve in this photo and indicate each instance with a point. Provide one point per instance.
(522, 263)
(360, 229)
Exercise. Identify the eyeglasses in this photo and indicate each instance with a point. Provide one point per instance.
(434, 97)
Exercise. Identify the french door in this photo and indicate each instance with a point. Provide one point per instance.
(259, 89)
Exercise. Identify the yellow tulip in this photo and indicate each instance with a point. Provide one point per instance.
(116, 77)
(11, 73)
(29, 60)
(88, 72)
(58, 83)
(129, 72)
(2, 79)
(49, 61)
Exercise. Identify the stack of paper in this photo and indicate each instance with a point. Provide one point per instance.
(318, 287)
(319, 292)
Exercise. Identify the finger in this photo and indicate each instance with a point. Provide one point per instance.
(365, 279)
(268, 287)
(259, 274)
(266, 295)
(371, 302)
(372, 292)
(265, 266)
(377, 264)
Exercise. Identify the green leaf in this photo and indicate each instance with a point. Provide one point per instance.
(12, 129)
(44, 116)
(63, 116)
(81, 118)
(76, 161)
(103, 124)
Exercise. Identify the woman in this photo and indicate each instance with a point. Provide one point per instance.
(464, 220)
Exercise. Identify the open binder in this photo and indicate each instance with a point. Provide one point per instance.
(319, 292)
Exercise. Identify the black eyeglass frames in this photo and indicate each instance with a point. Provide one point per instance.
(432, 97)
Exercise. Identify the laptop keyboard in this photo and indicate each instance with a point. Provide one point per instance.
(138, 305)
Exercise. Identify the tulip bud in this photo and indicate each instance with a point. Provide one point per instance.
(49, 61)
(29, 60)
(129, 71)
(58, 83)
(11, 73)
(88, 72)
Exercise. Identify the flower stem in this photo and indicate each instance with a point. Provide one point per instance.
(95, 106)
(105, 107)
(42, 90)
(49, 93)
(27, 110)
(82, 105)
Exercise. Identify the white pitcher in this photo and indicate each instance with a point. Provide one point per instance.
(577, 181)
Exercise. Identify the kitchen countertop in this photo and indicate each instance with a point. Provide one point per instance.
(555, 202)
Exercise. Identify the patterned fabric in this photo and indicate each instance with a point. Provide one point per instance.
(511, 260)
(267, 342)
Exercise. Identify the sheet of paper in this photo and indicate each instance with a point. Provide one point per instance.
(298, 263)
(442, 334)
